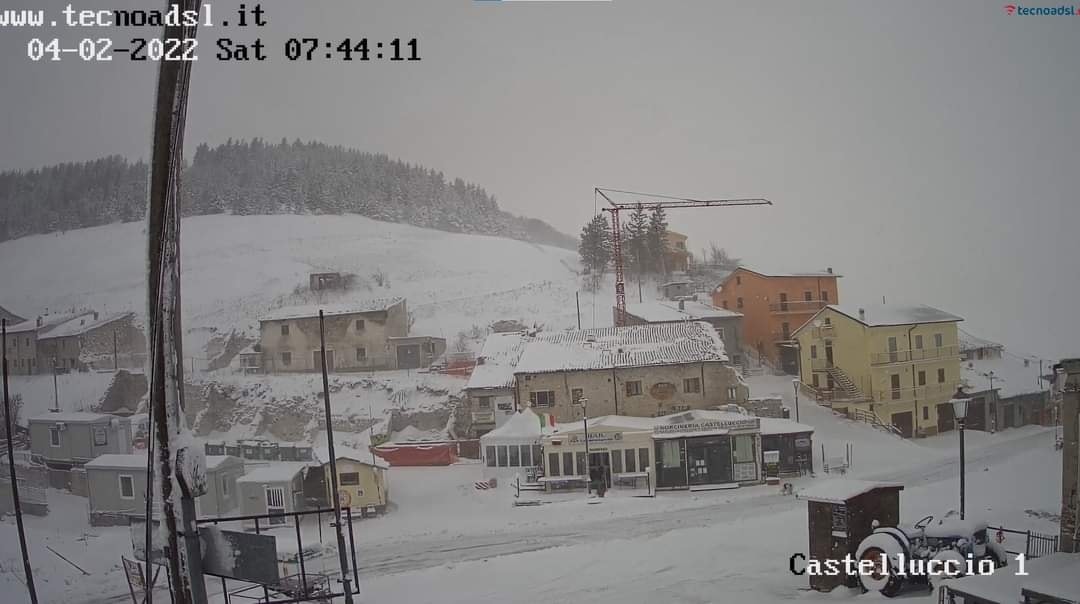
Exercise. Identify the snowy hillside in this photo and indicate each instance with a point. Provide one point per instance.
(237, 267)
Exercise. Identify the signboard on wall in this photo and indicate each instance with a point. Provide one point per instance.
(594, 437)
(750, 423)
(663, 390)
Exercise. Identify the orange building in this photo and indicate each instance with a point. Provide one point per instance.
(774, 305)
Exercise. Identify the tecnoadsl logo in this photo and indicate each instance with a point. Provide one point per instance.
(1019, 10)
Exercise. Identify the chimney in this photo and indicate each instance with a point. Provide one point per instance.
(682, 304)
(95, 315)
(829, 270)
(39, 321)
(862, 314)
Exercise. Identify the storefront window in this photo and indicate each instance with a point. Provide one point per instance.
(568, 464)
(582, 465)
(553, 464)
(490, 455)
(643, 457)
(537, 456)
(502, 456)
(742, 449)
(616, 462)
(672, 455)
(526, 456)
(630, 465)
(515, 460)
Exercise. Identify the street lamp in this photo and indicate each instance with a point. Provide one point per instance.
(959, 403)
(796, 383)
(584, 403)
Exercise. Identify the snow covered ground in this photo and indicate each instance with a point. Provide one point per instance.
(70, 392)
(444, 541)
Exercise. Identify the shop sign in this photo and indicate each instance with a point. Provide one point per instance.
(594, 437)
(771, 456)
(662, 390)
(707, 426)
(802, 443)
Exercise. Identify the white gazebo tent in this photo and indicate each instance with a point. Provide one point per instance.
(514, 447)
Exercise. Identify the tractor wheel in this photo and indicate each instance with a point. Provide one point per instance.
(883, 578)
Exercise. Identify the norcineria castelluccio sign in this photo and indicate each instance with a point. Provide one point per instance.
(750, 423)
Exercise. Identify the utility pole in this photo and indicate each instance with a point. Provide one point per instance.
(166, 387)
(9, 425)
(342, 557)
(115, 356)
(56, 388)
(584, 402)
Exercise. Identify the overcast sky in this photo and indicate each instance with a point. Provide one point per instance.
(927, 151)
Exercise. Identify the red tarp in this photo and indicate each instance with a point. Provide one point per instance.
(427, 454)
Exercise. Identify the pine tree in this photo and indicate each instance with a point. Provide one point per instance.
(595, 245)
(636, 245)
(657, 240)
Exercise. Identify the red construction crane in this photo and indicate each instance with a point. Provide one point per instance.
(655, 201)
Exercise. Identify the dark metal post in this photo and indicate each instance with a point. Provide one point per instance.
(352, 547)
(585, 422)
(56, 387)
(300, 555)
(577, 303)
(961, 425)
(9, 426)
(115, 355)
(342, 556)
(796, 385)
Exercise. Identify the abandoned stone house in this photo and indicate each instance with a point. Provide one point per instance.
(93, 341)
(22, 342)
(364, 335)
(640, 370)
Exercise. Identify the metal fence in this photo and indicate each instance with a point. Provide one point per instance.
(1035, 544)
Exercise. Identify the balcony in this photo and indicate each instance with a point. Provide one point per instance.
(917, 355)
(779, 337)
(930, 392)
(804, 307)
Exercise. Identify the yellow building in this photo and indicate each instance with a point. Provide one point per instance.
(361, 479)
(889, 364)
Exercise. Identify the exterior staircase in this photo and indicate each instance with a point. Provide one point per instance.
(848, 389)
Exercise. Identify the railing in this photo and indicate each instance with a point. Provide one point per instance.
(919, 354)
(869, 417)
(781, 336)
(921, 393)
(798, 306)
(1035, 544)
(827, 397)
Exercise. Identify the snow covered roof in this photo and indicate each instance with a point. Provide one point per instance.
(83, 324)
(883, 315)
(776, 425)
(322, 456)
(329, 310)
(278, 471)
(616, 347)
(47, 321)
(839, 490)
(1011, 378)
(524, 425)
(496, 361)
(703, 422)
(213, 462)
(970, 342)
(117, 461)
(75, 417)
(617, 422)
(658, 311)
(770, 271)
(12, 317)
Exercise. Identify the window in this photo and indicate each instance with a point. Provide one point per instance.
(553, 464)
(101, 436)
(429, 347)
(783, 302)
(813, 351)
(349, 479)
(941, 375)
(633, 388)
(786, 328)
(359, 325)
(671, 454)
(54, 436)
(742, 449)
(724, 304)
(828, 322)
(922, 378)
(720, 332)
(824, 296)
(284, 329)
(225, 486)
(895, 384)
(576, 394)
(631, 465)
(537, 456)
(732, 393)
(286, 358)
(483, 402)
(582, 466)
(515, 458)
(501, 450)
(815, 380)
(938, 340)
(616, 462)
(738, 280)
(643, 457)
(127, 486)
(542, 398)
(926, 412)
(692, 385)
(489, 456)
(808, 296)
(918, 342)
(738, 302)
(361, 354)
(526, 456)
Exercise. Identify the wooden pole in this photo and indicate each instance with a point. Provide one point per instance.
(9, 426)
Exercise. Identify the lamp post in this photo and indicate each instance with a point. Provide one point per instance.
(959, 403)
(796, 383)
(584, 403)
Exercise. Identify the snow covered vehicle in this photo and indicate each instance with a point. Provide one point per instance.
(916, 555)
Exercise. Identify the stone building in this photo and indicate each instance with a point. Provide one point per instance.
(357, 336)
(489, 393)
(640, 370)
(23, 342)
(727, 323)
(92, 341)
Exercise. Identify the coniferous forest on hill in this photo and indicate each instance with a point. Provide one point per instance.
(254, 177)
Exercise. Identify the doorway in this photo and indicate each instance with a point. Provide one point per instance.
(601, 461)
(903, 422)
(709, 461)
(275, 504)
(408, 357)
(317, 357)
(828, 353)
